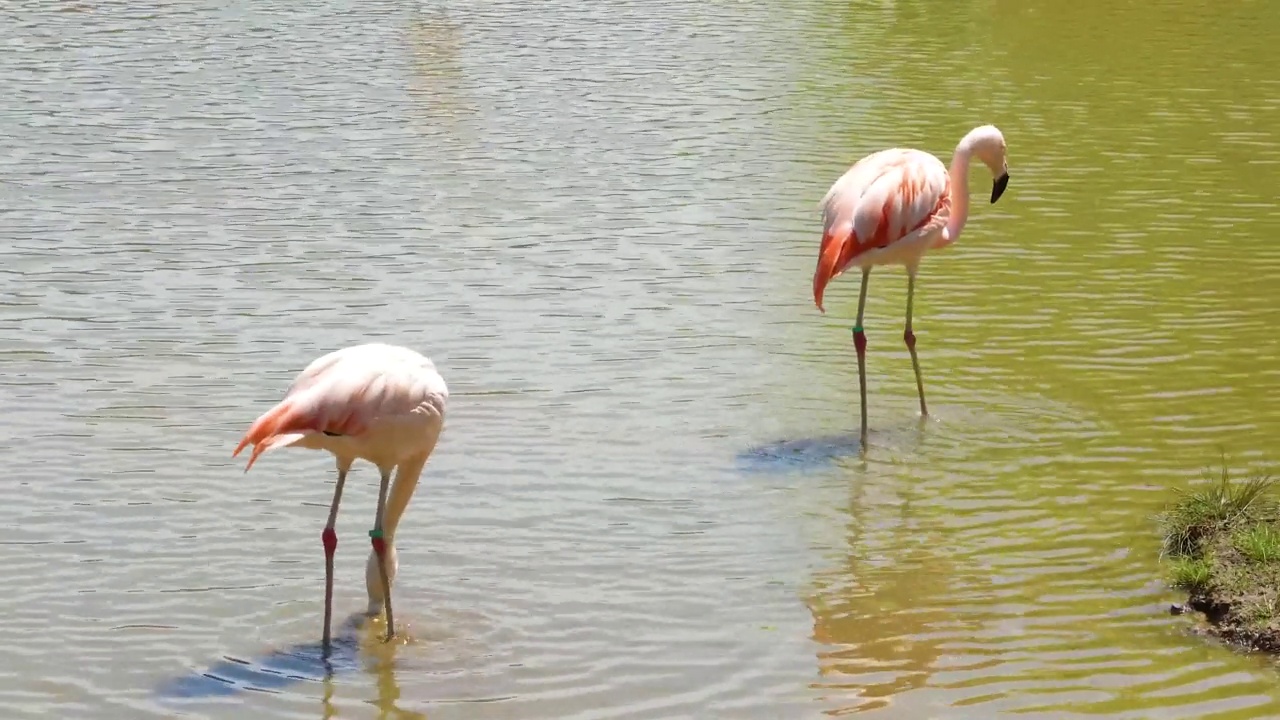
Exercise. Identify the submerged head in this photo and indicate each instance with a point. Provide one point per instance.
(987, 144)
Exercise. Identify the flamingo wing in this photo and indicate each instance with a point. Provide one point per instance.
(881, 199)
(344, 392)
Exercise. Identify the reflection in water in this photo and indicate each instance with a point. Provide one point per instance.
(877, 613)
(388, 694)
(438, 78)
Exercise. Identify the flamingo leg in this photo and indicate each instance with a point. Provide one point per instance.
(380, 549)
(860, 344)
(330, 539)
(910, 339)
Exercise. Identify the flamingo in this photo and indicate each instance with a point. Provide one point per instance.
(376, 402)
(891, 208)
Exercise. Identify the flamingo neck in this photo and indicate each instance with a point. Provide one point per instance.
(959, 191)
(398, 496)
(402, 487)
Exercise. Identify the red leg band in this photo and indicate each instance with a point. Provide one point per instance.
(860, 341)
(330, 539)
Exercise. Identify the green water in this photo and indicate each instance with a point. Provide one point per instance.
(1126, 283)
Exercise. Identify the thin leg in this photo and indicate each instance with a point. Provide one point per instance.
(330, 539)
(860, 343)
(380, 549)
(910, 339)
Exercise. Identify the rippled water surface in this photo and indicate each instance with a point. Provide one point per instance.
(599, 219)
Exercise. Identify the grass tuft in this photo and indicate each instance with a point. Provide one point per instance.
(1213, 507)
(1223, 537)
(1192, 574)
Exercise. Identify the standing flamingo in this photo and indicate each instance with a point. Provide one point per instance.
(380, 403)
(891, 208)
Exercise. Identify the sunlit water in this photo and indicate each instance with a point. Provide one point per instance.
(599, 219)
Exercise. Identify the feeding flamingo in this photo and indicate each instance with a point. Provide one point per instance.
(891, 208)
(380, 403)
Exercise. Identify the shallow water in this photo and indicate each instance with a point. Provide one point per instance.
(599, 220)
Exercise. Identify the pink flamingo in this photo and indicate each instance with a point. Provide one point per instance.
(380, 403)
(891, 208)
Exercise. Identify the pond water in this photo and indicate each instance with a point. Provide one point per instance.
(600, 220)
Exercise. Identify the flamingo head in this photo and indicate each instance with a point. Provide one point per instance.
(987, 144)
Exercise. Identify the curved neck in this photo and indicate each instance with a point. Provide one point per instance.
(959, 191)
(400, 493)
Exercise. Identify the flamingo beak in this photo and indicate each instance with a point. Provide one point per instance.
(997, 187)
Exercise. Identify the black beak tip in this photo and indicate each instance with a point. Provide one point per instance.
(997, 188)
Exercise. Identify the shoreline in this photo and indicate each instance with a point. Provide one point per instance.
(1222, 543)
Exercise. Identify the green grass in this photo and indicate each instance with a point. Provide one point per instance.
(1260, 543)
(1192, 574)
(1222, 537)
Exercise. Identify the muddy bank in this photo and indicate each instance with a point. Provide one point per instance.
(1222, 544)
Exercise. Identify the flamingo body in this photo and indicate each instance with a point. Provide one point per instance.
(376, 402)
(886, 210)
